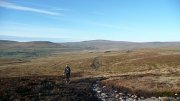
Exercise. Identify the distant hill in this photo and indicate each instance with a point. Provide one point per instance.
(26, 50)
(14, 49)
(33, 44)
(119, 45)
(88, 45)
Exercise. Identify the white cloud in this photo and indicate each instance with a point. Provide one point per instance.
(61, 9)
(8, 5)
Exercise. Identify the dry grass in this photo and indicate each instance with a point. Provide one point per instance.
(146, 85)
(162, 64)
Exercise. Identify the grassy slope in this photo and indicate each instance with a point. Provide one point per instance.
(34, 49)
(150, 70)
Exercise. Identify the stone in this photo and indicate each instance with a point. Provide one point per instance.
(98, 91)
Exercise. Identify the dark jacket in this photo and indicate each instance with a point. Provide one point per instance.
(67, 70)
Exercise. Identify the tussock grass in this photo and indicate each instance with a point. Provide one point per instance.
(148, 71)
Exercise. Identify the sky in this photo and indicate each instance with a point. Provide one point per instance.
(80, 20)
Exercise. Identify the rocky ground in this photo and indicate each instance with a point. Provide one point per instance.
(104, 93)
(54, 88)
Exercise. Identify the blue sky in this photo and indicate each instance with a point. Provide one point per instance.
(78, 20)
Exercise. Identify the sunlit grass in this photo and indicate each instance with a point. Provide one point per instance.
(154, 71)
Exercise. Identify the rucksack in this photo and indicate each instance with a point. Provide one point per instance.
(67, 70)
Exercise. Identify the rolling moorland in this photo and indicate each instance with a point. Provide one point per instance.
(145, 69)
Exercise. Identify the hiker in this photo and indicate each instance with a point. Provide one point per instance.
(67, 72)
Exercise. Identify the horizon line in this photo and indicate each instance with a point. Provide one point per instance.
(88, 41)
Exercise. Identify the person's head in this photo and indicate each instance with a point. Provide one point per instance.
(67, 65)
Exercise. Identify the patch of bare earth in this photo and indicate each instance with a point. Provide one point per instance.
(51, 88)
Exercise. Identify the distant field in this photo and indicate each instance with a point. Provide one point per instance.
(28, 53)
(154, 71)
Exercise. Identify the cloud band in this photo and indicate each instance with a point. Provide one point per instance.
(8, 5)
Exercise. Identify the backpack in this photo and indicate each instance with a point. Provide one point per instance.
(67, 70)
